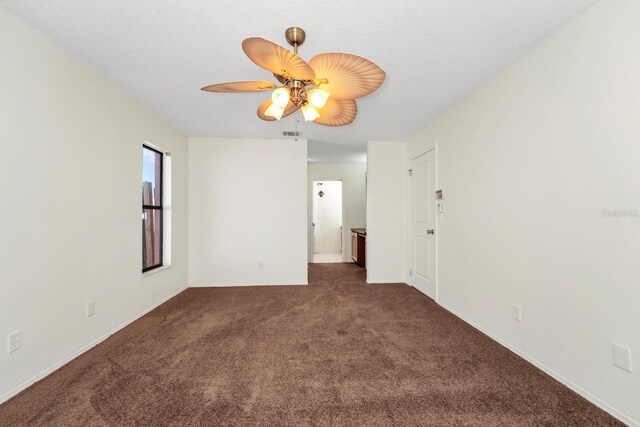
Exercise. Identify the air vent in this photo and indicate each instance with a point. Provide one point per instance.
(290, 133)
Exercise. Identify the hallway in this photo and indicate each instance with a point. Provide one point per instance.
(327, 258)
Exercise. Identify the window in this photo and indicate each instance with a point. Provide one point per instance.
(152, 208)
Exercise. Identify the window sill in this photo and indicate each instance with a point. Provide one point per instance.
(156, 270)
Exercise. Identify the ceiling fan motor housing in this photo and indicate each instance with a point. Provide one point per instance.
(297, 92)
(295, 37)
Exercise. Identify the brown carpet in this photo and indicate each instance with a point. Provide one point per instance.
(337, 352)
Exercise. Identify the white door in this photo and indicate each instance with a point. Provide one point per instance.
(423, 223)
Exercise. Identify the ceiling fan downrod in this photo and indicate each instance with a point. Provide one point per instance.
(295, 37)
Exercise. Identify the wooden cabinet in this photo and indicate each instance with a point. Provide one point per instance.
(359, 246)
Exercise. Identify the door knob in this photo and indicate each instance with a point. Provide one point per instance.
(430, 232)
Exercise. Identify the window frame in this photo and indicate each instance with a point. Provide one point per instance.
(159, 208)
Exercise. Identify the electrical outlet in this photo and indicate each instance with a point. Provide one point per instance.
(260, 265)
(90, 308)
(14, 341)
(516, 313)
(622, 357)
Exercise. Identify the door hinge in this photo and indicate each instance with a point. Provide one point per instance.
(410, 172)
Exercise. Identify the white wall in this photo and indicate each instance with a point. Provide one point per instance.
(527, 165)
(248, 212)
(354, 211)
(386, 212)
(70, 216)
(327, 217)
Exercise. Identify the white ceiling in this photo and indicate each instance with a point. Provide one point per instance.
(435, 52)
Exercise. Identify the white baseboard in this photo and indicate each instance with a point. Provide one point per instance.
(554, 374)
(8, 395)
(232, 285)
(387, 282)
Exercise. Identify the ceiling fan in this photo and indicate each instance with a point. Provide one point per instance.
(325, 88)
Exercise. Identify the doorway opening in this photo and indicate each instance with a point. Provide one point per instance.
(327, 221)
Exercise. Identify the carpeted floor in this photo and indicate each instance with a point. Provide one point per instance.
(337, 352)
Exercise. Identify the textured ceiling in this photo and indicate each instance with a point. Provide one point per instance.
(435, 52)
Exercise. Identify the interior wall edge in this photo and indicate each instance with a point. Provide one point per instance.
(386, 212)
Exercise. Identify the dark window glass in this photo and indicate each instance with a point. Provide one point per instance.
(152, 211)
(151, 235)
(151, 177)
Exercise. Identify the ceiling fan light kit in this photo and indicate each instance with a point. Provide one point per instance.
(280, 97)
(274, 111)
(309, 112)
(324, 89)
(318, 97)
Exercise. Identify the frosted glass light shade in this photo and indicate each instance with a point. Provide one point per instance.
(310, 113)
(275, 111)
(318, 97)
(280, 97)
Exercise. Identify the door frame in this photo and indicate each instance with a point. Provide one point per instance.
(412, 155)
(310, 230)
